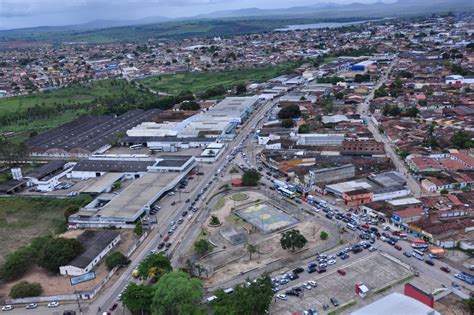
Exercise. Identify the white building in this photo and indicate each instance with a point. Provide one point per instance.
(320, 139)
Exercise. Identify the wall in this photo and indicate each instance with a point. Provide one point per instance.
(419, 295)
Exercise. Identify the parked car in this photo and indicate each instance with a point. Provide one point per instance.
(407, 254)
(334, 301)
(7, 308)
(31, 306)
(397, 247)
(298, 270)
(342, 272)
(312, 283)
(429, 262)
(445, 269)
(282, 297)
(53, 304)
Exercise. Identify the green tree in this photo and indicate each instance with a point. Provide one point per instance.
(250, 178)
(241, 89)
(214, 220)
(202, 246)
(58, 252)
(462, 140)
(116, 259)
(469, 303)
(292, 111)
(138, 230)
(287, 123)
(25, 289)
(444, 192)
(251, 249)
(177, 293)
(17, 263)
(412, 112)
(323, 235)
(137, 298)
(154, 266)
(190, 105)
(303, 129)
(380, 92)
(292, 239)
(246, 300)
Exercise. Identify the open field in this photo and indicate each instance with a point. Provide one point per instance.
(22, 219)
(197, 82)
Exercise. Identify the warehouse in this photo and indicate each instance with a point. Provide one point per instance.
(320, 139)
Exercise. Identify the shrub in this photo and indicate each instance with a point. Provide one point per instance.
(25, 289)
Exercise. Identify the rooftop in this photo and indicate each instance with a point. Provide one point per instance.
(396, 304)
(94, 243)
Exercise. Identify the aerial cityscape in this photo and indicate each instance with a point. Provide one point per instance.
(237, 158)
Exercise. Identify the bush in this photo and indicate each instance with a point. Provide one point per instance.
(16, 264)
(202, 246)
(116, 259)
(323, 235)
(59, 252)
(25, 289)
(138, 230)
(214, 220)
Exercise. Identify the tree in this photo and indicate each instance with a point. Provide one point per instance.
(292, 111)
(25, 289)
(323, 235)
(469, 303)
(154, 266)
(287, 123)
(245, 300)
(202, 246)
(462, 140)
(138, 230)
(241, 89)
(412, 112)
(444, 192)
(303, 129)
(251, 249)
(190, 106)
(70, 210)
(17, 263)
(116, 259)
(137, 298)
(177, 293)
(380, 92)
(214, 220)
(250, 178)
(292, 239)
(58, 252)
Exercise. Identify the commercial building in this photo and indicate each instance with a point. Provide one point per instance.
(362, 147)
(330, 174)
(96, 244)
(396, 304)
(357, 197)
(320, 139)
(46, 177)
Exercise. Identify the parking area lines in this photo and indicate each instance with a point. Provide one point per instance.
(375, 271)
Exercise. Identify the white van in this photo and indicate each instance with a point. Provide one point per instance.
(211, 298)
(351, 227)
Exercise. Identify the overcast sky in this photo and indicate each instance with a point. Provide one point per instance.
(29, 13)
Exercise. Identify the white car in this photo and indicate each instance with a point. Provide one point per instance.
(7, 308)
(312, 283)
(282, 297)
(31, 306)
(331, 262)
(53, 304)
(308, 287)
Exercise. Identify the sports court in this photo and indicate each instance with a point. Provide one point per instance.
(265, 217)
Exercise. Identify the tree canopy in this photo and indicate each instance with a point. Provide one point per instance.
(137, 298)
(462, 140)
(58, 252)
(245, 300)
(292, 239)
(250, 178)
(154, 266)
(116, 259)
(202, 246)
(16, 263)
(292, 111)
(177, 293)
(287, 123)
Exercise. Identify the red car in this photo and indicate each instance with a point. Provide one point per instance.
(398, 247)
(113, 307)
(167, 238)
(342, 272)
(445, 269)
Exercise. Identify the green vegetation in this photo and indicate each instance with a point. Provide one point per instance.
(239, 196)
(24, 218)
(251, 249)
(25, 289)
(389, 110)
(292, 240)
(288, 112)
(381, 92)
(138, 229)
(304, 129)
(323, 235)
(202, 246)
(214, 220)
(287, 123)
(250, 178)
(469, 303)
(154, 266)
(116, 259)
(332, 80)
(189, 105)
(177, 293)
(57, 252)
(248, 300)
(16, 264)
(219, 204)
(205, 81)
(462, 139)
(137, 298)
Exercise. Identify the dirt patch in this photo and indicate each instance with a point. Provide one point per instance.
(451, 305)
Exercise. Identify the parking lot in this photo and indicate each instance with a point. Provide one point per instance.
(375, 271)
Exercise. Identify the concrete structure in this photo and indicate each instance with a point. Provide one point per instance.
(211, 153)
(46, 177)
(330, 174)
(357, 197)
(320, 139)
(96, 246)
(396, 304)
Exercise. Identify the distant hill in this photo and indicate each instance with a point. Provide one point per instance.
(249, 20)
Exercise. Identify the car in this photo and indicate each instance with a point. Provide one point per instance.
(334, 301)
(342, 272)
(323, 265)
(185, 213)
(180, 220)
(168, 245)
(31, 306)
(282, 297)
(298, 270)
(53, 304)
(445, 269)
(307, 286)
(331, 262)
(321, 270)
(372, 249)
(113, 307)
(284, 281)
(429, 262)
(298, 289)
(397, 247)
(7, 308)
(293, 276)
(311, 269)
(167, 238)
(188, 200)
(161, 245)
(312, 283)
(292, 292)
(345, 256)
(312, 311)
(407, 254)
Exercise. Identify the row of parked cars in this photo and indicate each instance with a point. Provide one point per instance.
(30, 306)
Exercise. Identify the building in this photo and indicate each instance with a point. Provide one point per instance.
(404, 217)
(211, 153)
(330, 174)
(396, 304)
(362, 147)
(46, 177)
(357, 197)
(96, 244)
(320, 139)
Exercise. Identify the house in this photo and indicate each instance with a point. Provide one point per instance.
(403, 217)
(357, 197)
(96, 244)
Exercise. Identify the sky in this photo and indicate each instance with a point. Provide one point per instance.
(30, 13)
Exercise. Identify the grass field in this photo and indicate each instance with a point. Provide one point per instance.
(198, 82)
(22, 219)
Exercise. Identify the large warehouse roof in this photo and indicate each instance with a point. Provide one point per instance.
(396, 304)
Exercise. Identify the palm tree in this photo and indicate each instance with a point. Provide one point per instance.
(251, 249)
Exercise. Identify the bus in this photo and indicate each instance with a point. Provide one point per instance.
(419, 244)
(403, 236)
(418, 254)
(136, 146)
(285, 192)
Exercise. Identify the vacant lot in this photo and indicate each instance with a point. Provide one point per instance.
(198, 82)
(22, 219)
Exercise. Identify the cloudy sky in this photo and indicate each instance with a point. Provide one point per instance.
(29, 13)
